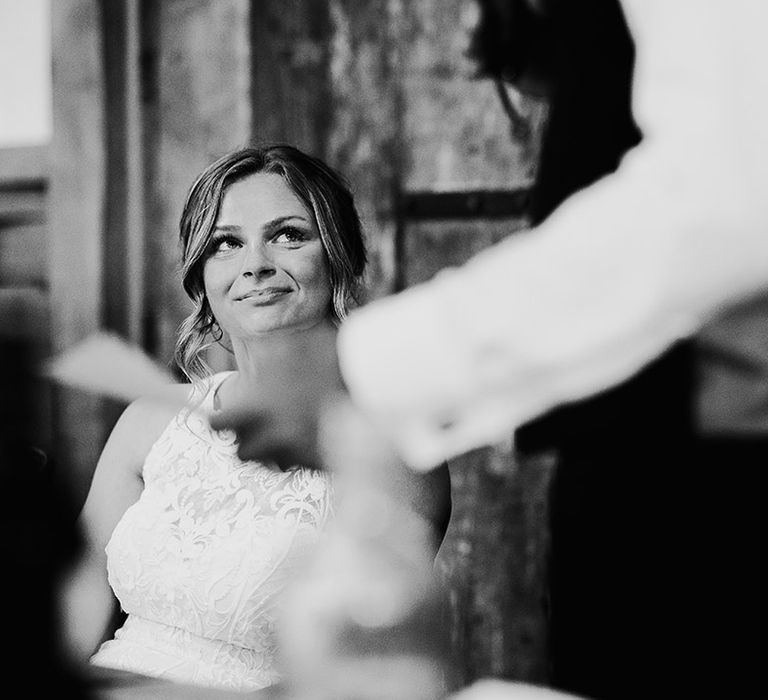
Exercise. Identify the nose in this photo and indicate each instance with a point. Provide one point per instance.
(257, 262)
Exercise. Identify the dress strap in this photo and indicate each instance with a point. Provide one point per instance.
(215, 383)
(203, 392)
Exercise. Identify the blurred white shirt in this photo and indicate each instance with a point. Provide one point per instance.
(617, 274)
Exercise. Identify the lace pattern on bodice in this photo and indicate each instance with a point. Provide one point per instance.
(200, 560)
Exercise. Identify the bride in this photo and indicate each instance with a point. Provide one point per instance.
(196, 544)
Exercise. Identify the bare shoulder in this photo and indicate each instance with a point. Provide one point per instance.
(144, 419)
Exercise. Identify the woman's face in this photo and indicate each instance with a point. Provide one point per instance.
(266, 268)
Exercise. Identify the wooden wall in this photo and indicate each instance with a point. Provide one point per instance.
(384, 92)
(438, 178)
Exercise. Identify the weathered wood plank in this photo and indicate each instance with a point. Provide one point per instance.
(290, 80)
(493, 564)
(456, 130)
(493, 559)
(365, 140)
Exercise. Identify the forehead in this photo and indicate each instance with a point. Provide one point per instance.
(260, 197)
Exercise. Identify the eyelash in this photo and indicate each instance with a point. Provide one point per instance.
(216, 242)
(294, 234)
(297, 235)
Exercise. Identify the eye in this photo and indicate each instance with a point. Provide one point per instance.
(223, 244)
(290, 235)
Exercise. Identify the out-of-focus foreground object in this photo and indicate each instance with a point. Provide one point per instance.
(368, 617)
(105, 364)
(488, 689)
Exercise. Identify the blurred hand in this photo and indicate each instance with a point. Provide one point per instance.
(278, 419)
(366, 621)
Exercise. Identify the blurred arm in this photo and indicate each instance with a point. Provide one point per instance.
(617, 274)
(364, 462)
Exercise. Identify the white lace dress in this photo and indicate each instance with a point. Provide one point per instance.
(200, 560)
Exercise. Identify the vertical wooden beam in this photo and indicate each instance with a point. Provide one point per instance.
(123, 247)
(365, 139)
(290, 82)
(77, 191)
(135, 206)
(76, 206)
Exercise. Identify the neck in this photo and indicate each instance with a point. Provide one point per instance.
(255, 355)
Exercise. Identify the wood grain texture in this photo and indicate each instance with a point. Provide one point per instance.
(493, 560)
(290, 42)
(409, 116)
(200, 105)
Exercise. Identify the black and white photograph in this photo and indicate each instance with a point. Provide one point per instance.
(384, 349)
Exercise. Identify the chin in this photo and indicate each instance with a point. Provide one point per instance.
(261, 329)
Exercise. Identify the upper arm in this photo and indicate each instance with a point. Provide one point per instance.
(117, 480)
(86, 600)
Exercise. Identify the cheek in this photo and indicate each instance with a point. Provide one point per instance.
(316, 279)
(215, 276)
(212, 286)
(208, 284)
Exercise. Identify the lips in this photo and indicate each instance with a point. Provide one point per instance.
(267, 295)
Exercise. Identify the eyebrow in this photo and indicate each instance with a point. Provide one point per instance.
(273, 223)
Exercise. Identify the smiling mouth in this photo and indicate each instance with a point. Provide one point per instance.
(263, 297)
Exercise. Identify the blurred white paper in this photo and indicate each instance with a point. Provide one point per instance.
(106, 364)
